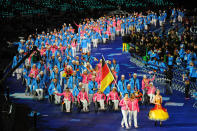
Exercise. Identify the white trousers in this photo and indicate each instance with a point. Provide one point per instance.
(102, 104)
(18, 73)
(174, 20)
(113, 36)
(143, 92)
(104, 40)
(86, 87)
(151, 97)
(151, 21)
(116, 102)
(89, 46)
(117, 33)
(90, 96)
(122, 32)
(78, 44)
(155, 22)
(85, 105)
(95, 43)
(124, 118)
(40, 93)
(57, 98)
(61, 78)
(134, 115)
(74, 51)
(180, 18)
(127, 30)
(67, 105)
(146, 27)
(138, 29)
(85, 50)
(160, 23)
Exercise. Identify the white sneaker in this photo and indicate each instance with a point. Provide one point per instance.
(130, 124)
(136, 126)
(122, 125)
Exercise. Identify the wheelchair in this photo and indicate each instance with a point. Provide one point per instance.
(80, 107)
(63, 107)
(36, 97)
(51, 98)
(110, 106)
(97, 106)
(146, 98)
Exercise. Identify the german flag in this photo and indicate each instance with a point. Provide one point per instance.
(107, 76)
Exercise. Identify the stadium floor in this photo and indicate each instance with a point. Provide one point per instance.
(182, 115)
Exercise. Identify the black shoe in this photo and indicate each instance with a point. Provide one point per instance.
(155, 123)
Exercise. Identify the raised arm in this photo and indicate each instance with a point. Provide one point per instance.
(59, 94)
(153, 78)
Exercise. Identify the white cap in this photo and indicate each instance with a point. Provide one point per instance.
(68, 66)
(135, 74)
(21, 51)
(122, 76)
(93, 76)
(151, 83)
(144, 76)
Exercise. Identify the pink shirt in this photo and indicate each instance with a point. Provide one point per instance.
(133, 106)
(34, 72)
(85, 79)
(82, 96)
(62, 49)
(74, 44)
(124, 104)
(114, 24)
(151, 90)
(66, 95)
(53, 50)
(42, 51)
(147, 82)
(99, 97)
(113, 96)
(98, 79)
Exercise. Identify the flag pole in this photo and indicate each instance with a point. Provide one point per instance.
(111, 72)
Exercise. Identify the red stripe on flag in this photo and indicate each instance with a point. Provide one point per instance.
(105, 71)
